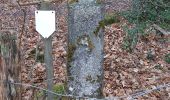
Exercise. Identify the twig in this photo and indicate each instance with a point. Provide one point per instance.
(134, 95)
(161, 29)
(46, 90)
(38, 2)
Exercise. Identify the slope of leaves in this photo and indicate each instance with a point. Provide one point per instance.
(127, 73)
(124, 73)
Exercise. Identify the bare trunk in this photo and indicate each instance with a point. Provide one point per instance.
(9, 68)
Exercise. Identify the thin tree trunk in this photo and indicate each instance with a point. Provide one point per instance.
(9, 68)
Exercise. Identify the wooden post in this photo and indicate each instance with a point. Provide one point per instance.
(48, 56)
(9, 69)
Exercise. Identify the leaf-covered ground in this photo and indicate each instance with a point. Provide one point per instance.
(127, 73)
(124, 73)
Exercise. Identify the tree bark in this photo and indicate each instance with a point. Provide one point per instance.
(9, 69)
(85, 48)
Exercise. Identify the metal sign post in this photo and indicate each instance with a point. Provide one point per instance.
(45, 25)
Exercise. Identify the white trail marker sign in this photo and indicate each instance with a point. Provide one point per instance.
(45, 25)
(45, 22)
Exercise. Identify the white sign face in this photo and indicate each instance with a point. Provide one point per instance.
(45, 22)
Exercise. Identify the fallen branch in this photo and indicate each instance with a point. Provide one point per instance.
(38, 2)
(161, 29)
(132, 96)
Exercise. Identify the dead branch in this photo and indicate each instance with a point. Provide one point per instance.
(158, 28)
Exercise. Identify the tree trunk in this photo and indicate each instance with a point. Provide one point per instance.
(9, 69)
(85, 48)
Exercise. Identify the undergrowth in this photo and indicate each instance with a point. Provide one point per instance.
(143, 14)
(108, 20)
(167, 58)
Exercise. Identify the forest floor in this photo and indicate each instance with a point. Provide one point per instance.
(127, 73)
(124, 73)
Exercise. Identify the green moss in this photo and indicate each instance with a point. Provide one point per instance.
(4, 49)
(59, 88)
(167, 58)
(70, 52)
(82, 37)
(98, 1)
(40, 94)
(72, 1)
(39, 56)
(79, 38)
(90, 44)
(108, 20)
(85, 37)
(90, 79)
(93, 81)
(71, 78)
(99, 92)
(96, 32)
(33, 51)
(98, 78)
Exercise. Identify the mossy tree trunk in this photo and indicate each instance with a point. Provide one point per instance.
(9, 67)
(85, 48)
